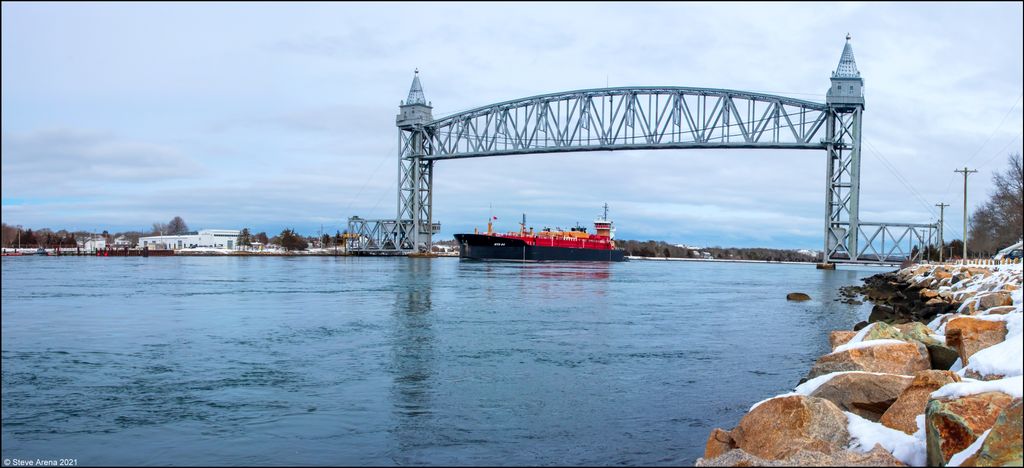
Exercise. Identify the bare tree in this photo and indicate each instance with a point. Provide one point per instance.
(998, 222)
(159, 229)
(177, 226)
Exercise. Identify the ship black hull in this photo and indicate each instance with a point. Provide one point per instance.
(483, 247)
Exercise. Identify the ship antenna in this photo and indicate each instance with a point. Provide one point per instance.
(606, 211)
(490, 218)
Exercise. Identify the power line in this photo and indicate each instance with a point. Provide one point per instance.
(977, 151)
(901, 179)
(367, 181)
(1000, 150)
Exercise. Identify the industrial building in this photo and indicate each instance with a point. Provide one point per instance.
(210, 238)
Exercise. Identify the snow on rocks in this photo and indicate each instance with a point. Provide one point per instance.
(1012, 386)
(885, 355)
(946, 393)
(864, 434)
(865, 344)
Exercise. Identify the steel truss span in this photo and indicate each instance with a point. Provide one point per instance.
(632, 118)
(629, 118)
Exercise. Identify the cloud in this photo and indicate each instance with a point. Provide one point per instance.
(68, 162)
(283, 114)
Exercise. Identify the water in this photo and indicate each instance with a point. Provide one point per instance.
(383, 361)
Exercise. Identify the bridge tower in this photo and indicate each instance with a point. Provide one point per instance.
(845, 101)
(415, 225)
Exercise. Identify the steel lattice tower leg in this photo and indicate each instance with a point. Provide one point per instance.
(842, 184)
(415, 187)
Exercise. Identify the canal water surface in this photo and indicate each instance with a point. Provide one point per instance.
(371, 361)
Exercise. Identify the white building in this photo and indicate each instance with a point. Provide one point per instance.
(93, 243)
(211, 238)
(122, 241)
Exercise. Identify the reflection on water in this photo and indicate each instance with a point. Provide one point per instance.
(413, 357)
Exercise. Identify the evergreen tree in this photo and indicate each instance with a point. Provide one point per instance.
(292, 241)
(244, 238)
(28, 238)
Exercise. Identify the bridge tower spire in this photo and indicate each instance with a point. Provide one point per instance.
(845, 101)
(414, 226)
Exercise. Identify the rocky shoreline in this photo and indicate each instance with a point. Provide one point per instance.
(932, 378)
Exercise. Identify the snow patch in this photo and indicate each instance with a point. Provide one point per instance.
(865, 344)
(772, 398)
(937, 324)
(859, 337)
(1004, 359)
(865, 434)
(1013, 386)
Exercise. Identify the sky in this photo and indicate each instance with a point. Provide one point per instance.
(282, 115)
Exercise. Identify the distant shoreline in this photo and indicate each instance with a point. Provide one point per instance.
(720, 260)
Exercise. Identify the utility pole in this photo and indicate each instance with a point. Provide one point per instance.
(942, 221)
(965, 171)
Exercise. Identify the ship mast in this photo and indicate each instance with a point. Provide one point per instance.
(602, 226)
(490, 218)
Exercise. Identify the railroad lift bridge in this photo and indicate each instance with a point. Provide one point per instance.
(645, 118)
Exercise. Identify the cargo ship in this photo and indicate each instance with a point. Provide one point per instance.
(575, 244)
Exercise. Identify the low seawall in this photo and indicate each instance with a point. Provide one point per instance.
(719, 260)
(934, 378)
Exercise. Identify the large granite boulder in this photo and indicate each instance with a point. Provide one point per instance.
(863, 394)
(995, 299)
(884, 331)
(917, 331)
(969, 335)
(1001, 310)
(1003, 446)
(902, 414)
(719, 442)
(988, 300)
(953, 424)
(837, 338)
(877, 456)
(780, 427)
(797, 296)
(885, 356)
(985, 272)
(941, 356)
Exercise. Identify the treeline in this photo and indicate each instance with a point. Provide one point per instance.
(15, 236)
(999, 222)
(288, 239)
(653, 248)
